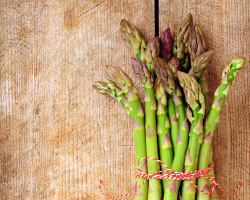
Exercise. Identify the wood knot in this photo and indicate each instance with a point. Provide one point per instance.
(70, 20)
(37, 111)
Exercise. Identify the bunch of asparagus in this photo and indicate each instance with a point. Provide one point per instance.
(176, 125)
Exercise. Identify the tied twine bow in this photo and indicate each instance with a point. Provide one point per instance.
(170, 174)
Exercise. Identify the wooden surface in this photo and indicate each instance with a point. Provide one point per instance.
(58, 137)
(226, 29)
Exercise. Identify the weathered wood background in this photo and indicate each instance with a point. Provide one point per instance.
(59, 137)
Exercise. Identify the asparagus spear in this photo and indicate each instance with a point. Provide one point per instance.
(167, 78)
(199, 71)
(166, 44)
(220, 95)
(174, 65)
(200, 65)
(180, 42)
(199, 62)
(196, 44)
(196, 48)
(180, 197)
(146, 78)
(195, 101)
(204, 87)
(133, 40)
(152, 51)
(110, 88)
(214, 194)
(163, 127)
(166, 41)
(173, 116)
(121, 82)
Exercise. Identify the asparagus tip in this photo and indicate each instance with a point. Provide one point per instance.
(123, 23)
(239, 62)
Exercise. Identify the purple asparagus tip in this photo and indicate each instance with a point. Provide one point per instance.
(166, 41)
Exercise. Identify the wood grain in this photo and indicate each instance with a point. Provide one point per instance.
(59, 137)
(226, 29)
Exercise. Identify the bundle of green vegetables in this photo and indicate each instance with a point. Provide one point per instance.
(176, 125)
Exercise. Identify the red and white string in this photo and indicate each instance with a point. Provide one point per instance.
(170, 174)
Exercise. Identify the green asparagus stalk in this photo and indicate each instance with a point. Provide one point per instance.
(199, 62)
(214, 194)
(133, 40)
(163, 127)
(220, 95)
(204, 87)
(146, 78)
(152, 51)
(180, 42)
(167, 78)
(199, 71)
(195, 101)
(180, 197)
(174, 65)
(199, 67)
(173, 116)
(120, 81)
